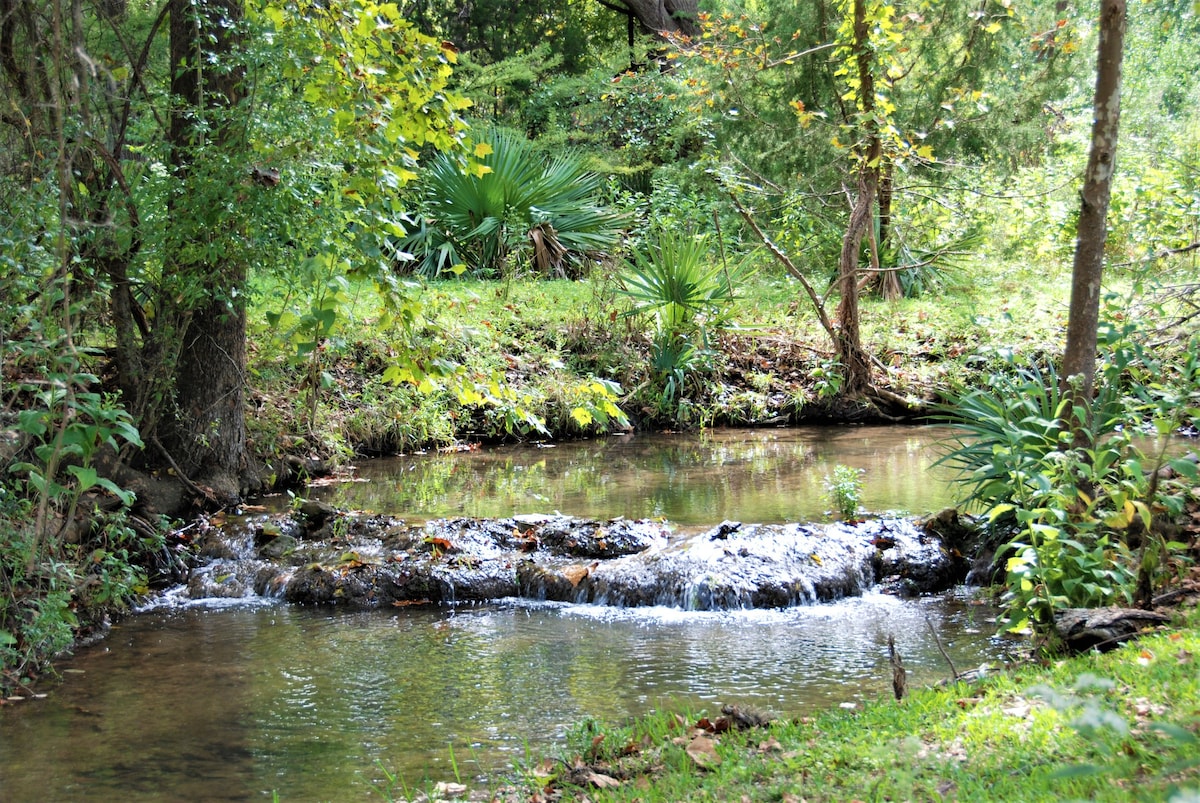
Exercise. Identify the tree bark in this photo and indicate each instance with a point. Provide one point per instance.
(1079, 358)
(662, 17)
(856, 365)
(208, 436)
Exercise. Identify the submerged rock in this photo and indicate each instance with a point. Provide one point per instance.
(376, 561)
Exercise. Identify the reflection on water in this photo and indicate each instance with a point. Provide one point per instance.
(755, 475)
(232, 704)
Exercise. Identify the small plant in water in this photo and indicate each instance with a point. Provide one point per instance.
(843, 489)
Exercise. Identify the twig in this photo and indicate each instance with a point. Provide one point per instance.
(938, 642)
(899, 675)
(183, 478)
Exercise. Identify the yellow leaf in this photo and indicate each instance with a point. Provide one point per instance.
(926, 153)
(482, 149)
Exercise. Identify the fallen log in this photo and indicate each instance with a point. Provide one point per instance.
(1083, 629)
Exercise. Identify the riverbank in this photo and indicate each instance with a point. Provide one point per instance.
(520, 355)
(1114, 727)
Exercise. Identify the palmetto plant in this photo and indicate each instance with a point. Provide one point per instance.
(687, 292)
(526, 211)
(676, 280)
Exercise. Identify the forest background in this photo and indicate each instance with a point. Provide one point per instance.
(244, 241)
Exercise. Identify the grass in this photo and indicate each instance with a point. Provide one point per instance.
(545, 337)
(1115, 727)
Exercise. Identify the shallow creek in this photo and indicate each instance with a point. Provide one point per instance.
(237, 699)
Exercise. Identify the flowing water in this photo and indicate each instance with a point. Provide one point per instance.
(208, 701)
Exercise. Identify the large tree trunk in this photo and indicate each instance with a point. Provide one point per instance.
(208, 436)
(1079, 359)
(661, 17)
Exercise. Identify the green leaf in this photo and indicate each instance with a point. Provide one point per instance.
(86, 476)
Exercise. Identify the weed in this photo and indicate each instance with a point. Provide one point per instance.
(843, 489)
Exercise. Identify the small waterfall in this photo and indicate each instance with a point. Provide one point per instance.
(329, 557)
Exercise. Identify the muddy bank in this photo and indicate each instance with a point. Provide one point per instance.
(318, 555)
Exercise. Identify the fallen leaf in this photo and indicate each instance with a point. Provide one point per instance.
(602, 781)
(445, 788)
(575, 574)
(1145, 658)
(771, 745)
(703, 751)
(1183, 656)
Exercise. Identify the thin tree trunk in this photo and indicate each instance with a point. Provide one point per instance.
(856, 365)
(1079, 358)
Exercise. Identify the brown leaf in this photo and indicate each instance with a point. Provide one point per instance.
(575, 574)
(442, 544)
(602, 781)
(771, 745)
(703, 751)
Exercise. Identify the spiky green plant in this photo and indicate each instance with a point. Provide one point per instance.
(678, 281)
(527, 211)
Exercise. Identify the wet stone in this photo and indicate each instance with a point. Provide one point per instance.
(376, 561)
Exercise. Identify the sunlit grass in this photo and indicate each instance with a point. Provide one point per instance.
(1114, 727)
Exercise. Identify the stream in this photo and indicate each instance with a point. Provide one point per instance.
(249, 697)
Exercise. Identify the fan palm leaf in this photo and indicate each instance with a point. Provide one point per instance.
(524, 203)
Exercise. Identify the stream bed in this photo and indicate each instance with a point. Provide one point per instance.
(239, 702)
(248, 697)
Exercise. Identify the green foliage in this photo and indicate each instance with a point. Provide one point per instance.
(687, 294)
(520, 210)
(843, 489)
(1092, 727)
(677, 282)
(1072, 486)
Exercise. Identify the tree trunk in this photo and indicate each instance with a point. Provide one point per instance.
(1079, 358)
(661, 17)
(856, 365)
(208, 436)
